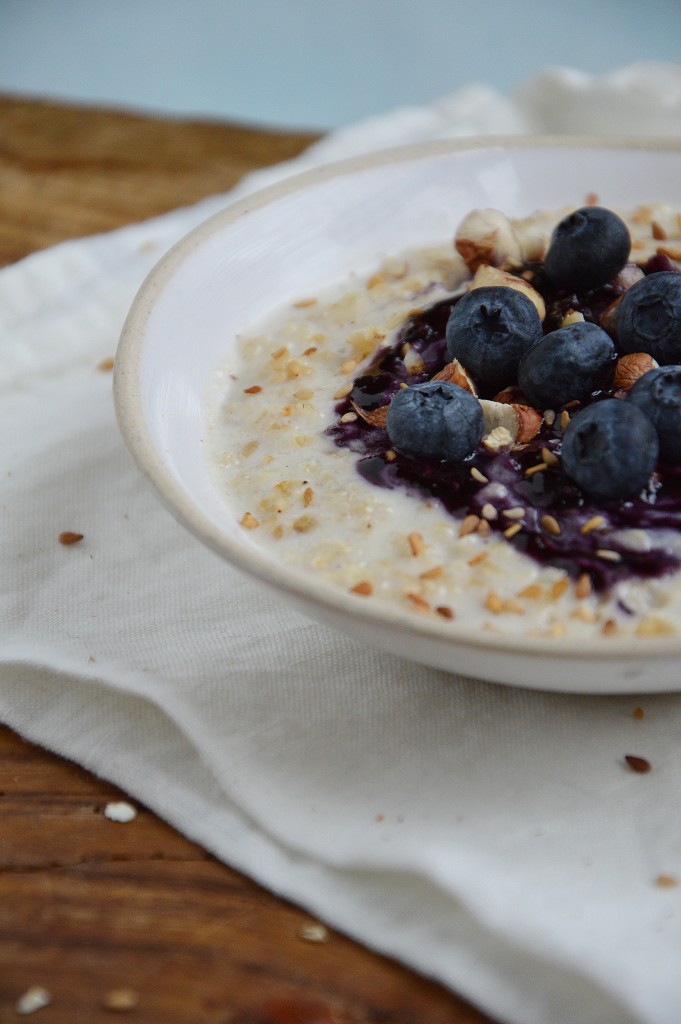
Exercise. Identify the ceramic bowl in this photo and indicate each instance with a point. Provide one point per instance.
(300, 236)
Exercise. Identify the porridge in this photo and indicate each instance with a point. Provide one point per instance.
(368, 436)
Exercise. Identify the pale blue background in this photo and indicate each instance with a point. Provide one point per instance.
(313, 63)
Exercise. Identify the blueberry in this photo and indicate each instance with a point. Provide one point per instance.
(567, 364)
(488, 331)
(649, 318)
(658, 394)
(610, 450)
(435, 420)
(587, 249)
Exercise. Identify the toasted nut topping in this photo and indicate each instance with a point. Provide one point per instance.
(666, 881)
(304, 303)
(492, 276)
(477, 475)
(488, 511)
(106, 364)
(631, 367)
(511, 531)
(498, 439)
(533, 592)
(344, 391)
(374, 417)
(487, 237)
(564, 418)
(308, 495)
(456, 374)
(249, 522)
(609, 627)
(583, 586)
(348, 417)
(484, 529)
(517, 512)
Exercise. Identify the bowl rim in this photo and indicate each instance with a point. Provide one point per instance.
(254, 562)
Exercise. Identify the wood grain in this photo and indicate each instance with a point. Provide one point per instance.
(90, 907)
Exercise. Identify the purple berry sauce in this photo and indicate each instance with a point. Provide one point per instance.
(547, 492)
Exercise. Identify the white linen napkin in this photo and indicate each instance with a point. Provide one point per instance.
(490, 837)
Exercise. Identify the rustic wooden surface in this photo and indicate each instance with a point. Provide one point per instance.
(89, 907)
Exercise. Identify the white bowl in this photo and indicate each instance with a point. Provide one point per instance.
(302, 235)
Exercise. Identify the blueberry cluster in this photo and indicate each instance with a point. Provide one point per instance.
(612, 445)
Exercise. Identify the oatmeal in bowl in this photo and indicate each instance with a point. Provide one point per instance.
(452, 429)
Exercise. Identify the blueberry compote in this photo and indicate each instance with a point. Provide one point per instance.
(560, 526)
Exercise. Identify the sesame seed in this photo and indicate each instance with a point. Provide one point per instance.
(254, 389)
(477, 559)
(416, 543)
(344, 391)
(418, 601)
(533, 592)
(592, 524)
(517, 512)
(280, 352)
(308, 495)
(559, 588)
(539, 468)
(433, 574)
(484, 529)
(666, 881)
(34, 998)
(609, 627)
(493, 603)
(488, 511)
(608, 556)
(314, 933)
(512, 530)
(348, 366)
(304, 303)
(550, 458)
(249, 522)
(364, 588)
(469, 525)
(121, 811)
(445, 611)
(120, 999)
(551, 525)
(477, 475)
(564, 418)
(348, 417)
(67, 537)
(583, 586)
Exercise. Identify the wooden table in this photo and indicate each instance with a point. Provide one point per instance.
(99, 913)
